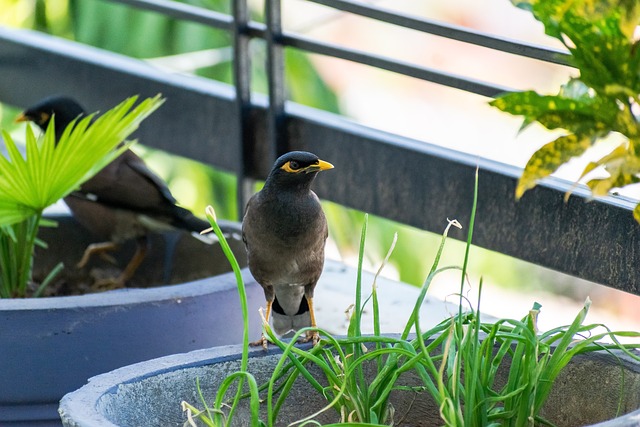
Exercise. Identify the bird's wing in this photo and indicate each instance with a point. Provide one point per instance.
(138, 165)
(127, 183)
(247, 218)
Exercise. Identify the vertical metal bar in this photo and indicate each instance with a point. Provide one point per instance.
(242, 80)
(275, 72)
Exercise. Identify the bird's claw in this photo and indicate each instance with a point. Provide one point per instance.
(261, 342)
(312, 336)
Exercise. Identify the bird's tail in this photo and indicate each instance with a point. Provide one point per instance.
(183, 218)
(298, 319)
(283, 323)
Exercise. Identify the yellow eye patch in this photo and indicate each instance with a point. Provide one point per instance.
(293, 166)
(287, 167)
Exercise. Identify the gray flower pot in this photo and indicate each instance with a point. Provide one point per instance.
(149, 393)
(51, 346)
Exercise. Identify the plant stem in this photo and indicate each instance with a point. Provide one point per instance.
(17, 243)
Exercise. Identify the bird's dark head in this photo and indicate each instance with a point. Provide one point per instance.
(65, 109)
(296, 169)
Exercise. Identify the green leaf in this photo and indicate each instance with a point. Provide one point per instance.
(549, 158)
(601, 51)
(552, 12)
(558, 111)
(51, 170)
(622, 167)
(599, 36)
(636, 212)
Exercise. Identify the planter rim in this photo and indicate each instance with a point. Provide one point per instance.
(119, 297)
(83, 407)
(83, 402)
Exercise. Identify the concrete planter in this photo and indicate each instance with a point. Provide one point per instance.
(149, 393)
(51, 346)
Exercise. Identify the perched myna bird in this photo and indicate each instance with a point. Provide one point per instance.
(125, 200)
(285, 230)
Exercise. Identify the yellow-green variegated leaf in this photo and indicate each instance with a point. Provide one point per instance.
(581, 114)
(617, 154)
(552, 12)
(622, 167)
(628, 11)
(549, 158)
(602, 186)
(636, 212)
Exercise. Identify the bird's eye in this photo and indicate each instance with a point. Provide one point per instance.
(294, 165)
(44, 119)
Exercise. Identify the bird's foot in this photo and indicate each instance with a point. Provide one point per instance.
(99, 248)
(263, 341)
(87, 256)
(312, 336)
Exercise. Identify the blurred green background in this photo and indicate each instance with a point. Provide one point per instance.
(170, 43)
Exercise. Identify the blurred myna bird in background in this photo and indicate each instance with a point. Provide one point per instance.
(125, 200)
(285, 230)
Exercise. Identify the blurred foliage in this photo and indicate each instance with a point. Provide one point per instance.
(193, 184)
(603, 100)
(141, 34)
(416, 249)
(147, 35)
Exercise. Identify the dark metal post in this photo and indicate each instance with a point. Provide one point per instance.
(242, 80)
(275, 71)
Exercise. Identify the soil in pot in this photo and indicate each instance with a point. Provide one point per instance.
(173, 257)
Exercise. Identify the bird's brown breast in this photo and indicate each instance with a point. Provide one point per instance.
(285, 239)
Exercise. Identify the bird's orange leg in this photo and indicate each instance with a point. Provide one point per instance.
(95, 248)
(138, 257)
(263, 339)
(128, 272)
(312, 336)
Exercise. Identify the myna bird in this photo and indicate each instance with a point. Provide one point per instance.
(285, 230)
(125, 200)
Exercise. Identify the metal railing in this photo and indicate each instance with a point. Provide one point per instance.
(232, 128)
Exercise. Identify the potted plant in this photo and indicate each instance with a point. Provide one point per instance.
(51, 345)
(461, 372)
(600, 103)
(503, 373)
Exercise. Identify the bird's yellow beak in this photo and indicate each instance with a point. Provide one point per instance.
(22, 118)
(323, 166)
(317, 167)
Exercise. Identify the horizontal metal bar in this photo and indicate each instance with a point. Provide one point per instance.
(450, 31)
(422, 185)
(255, 29)
(223, 21)
(183, 11)
(197, 120)
(389, 64)
(597, 241)
(259, 30)
(196, 14)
